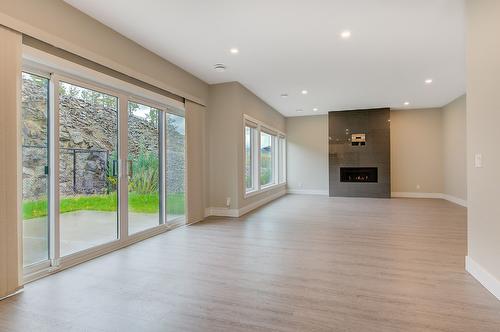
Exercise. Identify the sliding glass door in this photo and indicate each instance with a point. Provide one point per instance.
(98, 168)
(175, 203)
(88, 182)
(34, 135)
(143, 167)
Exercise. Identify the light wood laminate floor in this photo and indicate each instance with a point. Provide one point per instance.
(301, 263)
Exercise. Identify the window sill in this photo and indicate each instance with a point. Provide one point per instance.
(264, 189)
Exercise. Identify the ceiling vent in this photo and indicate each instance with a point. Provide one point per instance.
(219, 67)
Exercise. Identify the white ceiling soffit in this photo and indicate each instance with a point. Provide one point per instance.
(286, 46)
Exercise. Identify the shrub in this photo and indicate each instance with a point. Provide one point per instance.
(145, 178)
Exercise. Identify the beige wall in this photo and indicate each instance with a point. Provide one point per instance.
(307, 153)
(61, 25)
(427, 150)
(223, 138)
(483, 134)
(196, 160)
(10, 177)
(454, 149)
(416, 151)
(253, 106)
(227, 104)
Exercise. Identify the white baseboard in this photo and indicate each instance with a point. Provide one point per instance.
(221, 212)
(416, 195)
(486, 279)
(20, 290)
(449, 198)
(308, 192)
(455, 200)
(259, 203)
(235, 213)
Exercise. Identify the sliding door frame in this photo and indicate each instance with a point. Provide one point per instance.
(31, 268)
(55, 262)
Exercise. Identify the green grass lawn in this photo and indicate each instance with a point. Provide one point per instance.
(137, 203)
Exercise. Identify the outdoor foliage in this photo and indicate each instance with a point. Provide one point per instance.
(145, 178)
(266, 168)
(137, 203)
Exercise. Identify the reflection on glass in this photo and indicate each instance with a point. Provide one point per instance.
(266, 159)
(143, 167)
(175, 167)
(34, 98)
(88, 182)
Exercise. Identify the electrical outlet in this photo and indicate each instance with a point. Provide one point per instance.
(418, 187)
(478, 160)
(228, 201)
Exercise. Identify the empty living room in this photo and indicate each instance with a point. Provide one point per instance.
(232, 165)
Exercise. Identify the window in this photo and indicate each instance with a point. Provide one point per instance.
(264, 157)
(249, 158)
(282, 159)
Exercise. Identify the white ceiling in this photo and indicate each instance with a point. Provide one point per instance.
(289, 45)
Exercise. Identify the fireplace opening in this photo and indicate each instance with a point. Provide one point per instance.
(358, 174)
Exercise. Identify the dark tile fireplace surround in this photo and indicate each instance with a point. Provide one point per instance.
(359, 153)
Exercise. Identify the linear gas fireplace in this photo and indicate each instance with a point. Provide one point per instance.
(359, 153)
(359, 174)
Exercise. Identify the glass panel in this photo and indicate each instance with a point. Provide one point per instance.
(143, 167)
(88, 182)
(248, 158)
(282, 159)
(34, 136)
(175, 168)
(266, 159)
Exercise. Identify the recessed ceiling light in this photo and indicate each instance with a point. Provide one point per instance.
(428, 81)
(305, 92)
(315, 109)
(284, 95)
(407, 103)
(346, 34)
(219, 67)
(234, 50)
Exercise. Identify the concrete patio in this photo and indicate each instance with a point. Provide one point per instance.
(81, 230)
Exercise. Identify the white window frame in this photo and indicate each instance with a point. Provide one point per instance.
(56, 70)
(282, 158)
(259, 127)
(253, 157)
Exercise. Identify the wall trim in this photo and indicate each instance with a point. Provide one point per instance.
(485, 278)
(235, 213)
(455, 200)
(221, 212)
(416, 195)
(449, 198)
(259, 203)
(19, 290)
(308, 192)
